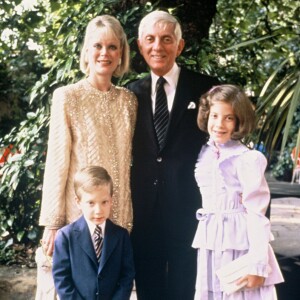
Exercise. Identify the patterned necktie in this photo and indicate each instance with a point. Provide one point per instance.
(98, 241)
(161, 115)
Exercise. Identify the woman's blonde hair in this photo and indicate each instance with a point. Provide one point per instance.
(112, 27)
(236, 97)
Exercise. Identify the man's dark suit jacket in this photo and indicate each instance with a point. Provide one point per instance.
(77, 274)
(164, 191)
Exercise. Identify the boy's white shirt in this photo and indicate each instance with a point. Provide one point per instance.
(92, 227)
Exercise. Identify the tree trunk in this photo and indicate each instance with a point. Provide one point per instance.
(195, 17)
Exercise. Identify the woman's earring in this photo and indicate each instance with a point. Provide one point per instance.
(120, 61)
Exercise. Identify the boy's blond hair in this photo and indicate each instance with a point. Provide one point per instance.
(88, 178)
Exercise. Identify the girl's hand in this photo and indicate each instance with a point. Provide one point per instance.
(253, 281)
(48, 241)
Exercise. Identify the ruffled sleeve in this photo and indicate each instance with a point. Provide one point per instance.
(255, 198)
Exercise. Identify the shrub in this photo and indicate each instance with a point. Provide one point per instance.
(21, 179)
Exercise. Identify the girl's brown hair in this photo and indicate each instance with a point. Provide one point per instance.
(242, 107)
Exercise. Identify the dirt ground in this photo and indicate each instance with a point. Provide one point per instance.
(17, 283)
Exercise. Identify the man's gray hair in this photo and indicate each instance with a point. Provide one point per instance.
(160, 17)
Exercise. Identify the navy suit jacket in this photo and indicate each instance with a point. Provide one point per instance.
(165, 195)
(76, 272)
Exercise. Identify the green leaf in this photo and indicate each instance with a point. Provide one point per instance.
(10, 221)
(30, 174)
(15, 157)
(292, 108)
(55, 6)
(28, 162)
(31, 115)
(32, 235)
(271, 78)
(20, 235)
(14, 180)
(9, 243)
(247, 43)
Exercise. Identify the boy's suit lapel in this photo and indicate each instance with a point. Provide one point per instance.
(84, 239)
(109, 244)
(110, 241)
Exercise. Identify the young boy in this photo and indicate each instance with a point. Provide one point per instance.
(80, 273)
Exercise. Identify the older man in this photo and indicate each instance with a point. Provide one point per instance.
(165, 148)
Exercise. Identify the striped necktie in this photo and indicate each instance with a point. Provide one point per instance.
(161, 115)
(98, 241)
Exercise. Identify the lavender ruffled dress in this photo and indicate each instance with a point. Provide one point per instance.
(232, 222)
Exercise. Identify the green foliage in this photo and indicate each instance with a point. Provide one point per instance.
(278, 106)
(257, 46)
(21, 178)
(283, 167)
(282, 162)
(19, 63)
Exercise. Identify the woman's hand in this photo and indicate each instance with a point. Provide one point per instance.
(253, 281)
(48, 241)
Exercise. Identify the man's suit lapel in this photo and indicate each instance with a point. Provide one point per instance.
(84, 240)
(145, 110)
(177, 110)
(146, 106)
(181, 101)
(109, 244)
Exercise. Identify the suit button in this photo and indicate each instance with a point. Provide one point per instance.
(159, 159)
(155, 182)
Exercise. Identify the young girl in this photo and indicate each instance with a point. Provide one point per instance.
(235, 196)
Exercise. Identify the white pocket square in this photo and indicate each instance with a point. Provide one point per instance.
(192, 105)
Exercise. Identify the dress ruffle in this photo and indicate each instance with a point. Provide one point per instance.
(232, 222)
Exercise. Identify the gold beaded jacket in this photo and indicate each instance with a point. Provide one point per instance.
(88, 127)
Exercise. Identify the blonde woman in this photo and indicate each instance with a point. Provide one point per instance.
(92, 123)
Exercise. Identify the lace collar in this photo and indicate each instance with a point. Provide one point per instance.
(227, 150)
